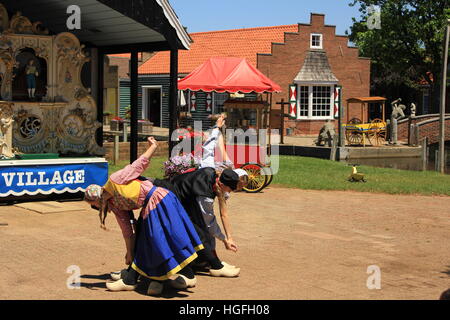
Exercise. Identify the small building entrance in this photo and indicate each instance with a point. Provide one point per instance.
(152, 105)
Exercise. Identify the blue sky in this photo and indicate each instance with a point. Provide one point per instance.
(209, 15)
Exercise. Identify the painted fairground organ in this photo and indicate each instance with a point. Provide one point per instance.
(44, 107)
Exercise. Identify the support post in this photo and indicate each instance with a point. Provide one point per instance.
(282, 122)
(436, 160)
(425, 154)
(134, 106)
(116, 149)
(173, 95)
(333, 149)
(341, 142)
(100, 88)
(443, 97)
(394, 132)
(410, 127)
(125, 131)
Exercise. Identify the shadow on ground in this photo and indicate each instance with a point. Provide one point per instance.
(168, 292)
(447, 272)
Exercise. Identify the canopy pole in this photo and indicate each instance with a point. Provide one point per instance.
(134, 106)
(173, 97)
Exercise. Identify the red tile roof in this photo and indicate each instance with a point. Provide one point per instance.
(241, 43)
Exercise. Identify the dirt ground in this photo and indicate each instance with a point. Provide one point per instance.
(293, 244)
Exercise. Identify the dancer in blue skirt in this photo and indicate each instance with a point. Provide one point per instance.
(165, 240)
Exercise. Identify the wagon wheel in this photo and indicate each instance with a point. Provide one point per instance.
(376, 121)
(376, 135)
(354, 137)
(269, 175)
(381, 137)
(354, 121)
(372, 136)
(256, 180)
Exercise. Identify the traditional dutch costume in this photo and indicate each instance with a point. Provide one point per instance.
(166, 240)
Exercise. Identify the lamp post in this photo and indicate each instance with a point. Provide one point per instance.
(443, 96)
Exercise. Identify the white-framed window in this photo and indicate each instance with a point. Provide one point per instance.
(316, 41)
(315, 101)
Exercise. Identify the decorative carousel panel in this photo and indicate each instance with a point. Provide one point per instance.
(70, 58)
(77, 127)
(30, 131)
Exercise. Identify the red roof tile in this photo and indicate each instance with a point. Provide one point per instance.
(240, 43)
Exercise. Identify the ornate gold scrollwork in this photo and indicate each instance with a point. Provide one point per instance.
(66, 119)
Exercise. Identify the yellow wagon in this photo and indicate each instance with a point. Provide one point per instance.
(358, 131)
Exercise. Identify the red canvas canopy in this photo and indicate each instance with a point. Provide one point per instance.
(227, 75)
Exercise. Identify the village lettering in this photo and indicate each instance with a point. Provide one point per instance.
(43, 178)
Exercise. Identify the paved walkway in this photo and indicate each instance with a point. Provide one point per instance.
(293, 244)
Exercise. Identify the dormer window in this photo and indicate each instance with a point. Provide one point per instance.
(316, 41)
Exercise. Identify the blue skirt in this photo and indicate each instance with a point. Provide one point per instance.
(166, 240)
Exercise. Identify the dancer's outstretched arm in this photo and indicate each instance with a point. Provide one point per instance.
(134, 170)
(230, 245)
(209, 147)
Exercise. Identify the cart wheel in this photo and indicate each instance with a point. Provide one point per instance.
(269, 175)
(354, 138)
(256, 180)
(372, 136)
(377, 135)
(381, 137)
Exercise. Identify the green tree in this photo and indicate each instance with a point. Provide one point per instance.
(408, 46)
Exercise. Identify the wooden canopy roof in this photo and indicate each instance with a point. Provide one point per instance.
(366, 100)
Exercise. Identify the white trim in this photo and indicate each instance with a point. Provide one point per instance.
(145, 101)
(40, 191)
(34, 162)
(170, 14)
(321, 41)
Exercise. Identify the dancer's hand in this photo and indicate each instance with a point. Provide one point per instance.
(152, 142)
(221, 121)
(230, 245)
(128, 258)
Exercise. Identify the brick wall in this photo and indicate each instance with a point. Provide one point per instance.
(308, 127)
(287, 59)
(124, 150)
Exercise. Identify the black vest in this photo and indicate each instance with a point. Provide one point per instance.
(188, 186)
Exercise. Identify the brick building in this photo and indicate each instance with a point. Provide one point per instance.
(309, 58)
(316, 60)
